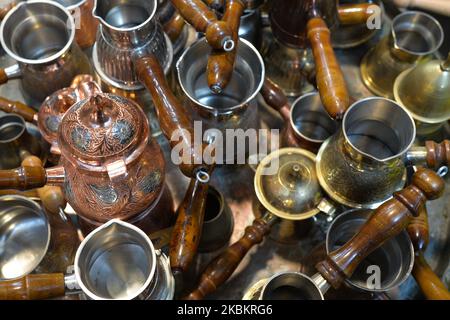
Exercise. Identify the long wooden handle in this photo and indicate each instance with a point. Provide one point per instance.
(28, 113)
(437, 6)
(357, 13)
(221, 63)
(33, 287)
(3, 76)
(438, 154)
(418, 230)
(23, 178)
(172, 116)
(274, 96)
(429, 283)
(197, 14)
(386, 222)
(174, 27)
(52, 197)
(188, 227)
(221, 268)
(330, 80)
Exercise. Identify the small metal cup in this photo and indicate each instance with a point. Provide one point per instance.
(291, 286)
(14, 140)
(394, 259)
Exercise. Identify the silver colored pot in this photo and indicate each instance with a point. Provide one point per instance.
(39, 35)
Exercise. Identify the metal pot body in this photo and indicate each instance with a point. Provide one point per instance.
(362, 165)
(393, 260)
(43, 44)
(117, 246)
(32, 240)
(235, 108)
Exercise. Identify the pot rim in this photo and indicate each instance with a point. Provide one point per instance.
(392, 286)
(202, 41)
(365, 154)
(297, 274)
(18, 135)
(39, 210)
(76, 5)
(150, 277)
(110, 26)
(53, 57)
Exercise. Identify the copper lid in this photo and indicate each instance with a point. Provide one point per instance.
(103, 132)
(286, 184)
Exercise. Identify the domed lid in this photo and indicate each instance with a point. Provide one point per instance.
(103, 130)
(425, 91)
(286, 184)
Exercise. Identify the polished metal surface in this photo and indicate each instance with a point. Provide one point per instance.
(361, 166)
(394, 259)
(116, 261)
(310, 120)
(290, 286)
(24, 236)
(414, 37)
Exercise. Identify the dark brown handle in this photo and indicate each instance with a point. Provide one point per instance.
(429, 283)
(3, 76)
(221, 268)
(23, 178)
(197, 14)
(52, 197)
(221, 63)
(172, 117)
(274, 96)
(19, 108)
(357, 13)
(418, 230)
(386, 222)
(329, 77)
(187, 230)
(33, 287)
(438, 154)
(174, 27)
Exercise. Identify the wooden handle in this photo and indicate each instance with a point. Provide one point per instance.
(274, 96)
(23, 178)
(188, 227)
(221, 268)
(356, 13)
(441, 7)
(438, 154)
(418, 230)
(33, 287)
(429, 283)
(19, 108)
(329, 77)
(3, 76)
(174, 27)
(52, 197)
(172, 116)
(197, 14)
(386, 222)
(221, 63)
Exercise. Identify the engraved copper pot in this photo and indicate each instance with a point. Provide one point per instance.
(44, 47)
(109, 166)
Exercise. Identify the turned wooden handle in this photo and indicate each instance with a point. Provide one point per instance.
(188, 227)
(172, 116)
(52, 197)
(221, 268)
(197, 14)
(23, 178)
(418, 230)
(429, 283)
(438, 154)
(386, 222)
(33, 287)
(174, 27)
(274, 96)
(19, 108)
(357, 13)
(3, 76)
(221, 63)
(329, 77)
